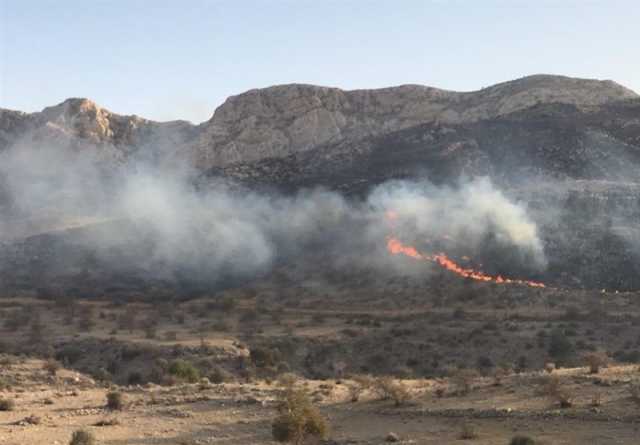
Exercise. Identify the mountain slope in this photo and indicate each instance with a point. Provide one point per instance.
(279, 121)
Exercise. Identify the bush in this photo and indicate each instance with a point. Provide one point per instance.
(184, 370)
(115, 400)
(595, 361)
(7, 405)
(51, 366)
(463, 380)
(522, 440)
(387, 388)
(360, 384)
(560, 348)
(553, 389)
(468, 431)
(298, 419)
(82, 437)
(219, 375)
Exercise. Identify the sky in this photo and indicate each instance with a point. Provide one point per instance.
(168, 60)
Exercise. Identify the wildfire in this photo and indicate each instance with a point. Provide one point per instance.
(396, 247)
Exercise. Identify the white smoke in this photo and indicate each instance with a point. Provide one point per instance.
(227, 229)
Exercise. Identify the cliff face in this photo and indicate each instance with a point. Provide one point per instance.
(279, 121)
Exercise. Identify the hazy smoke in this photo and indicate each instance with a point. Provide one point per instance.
(170, 225)
(466, 215)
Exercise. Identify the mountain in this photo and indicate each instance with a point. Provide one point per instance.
(285, 120)
(569, 149)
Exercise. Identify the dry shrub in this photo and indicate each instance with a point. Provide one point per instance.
(386, 388)
(522, 440)
(634, 393)
(463, 380)
(51, 367)
(7, 405)
(552, 388)
(468, 431)
(358, 385)
(596, 360)
(82, 437)
(288, 380)
(298, 419)
(115, 400)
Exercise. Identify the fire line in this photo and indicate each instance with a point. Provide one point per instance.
(396, 247)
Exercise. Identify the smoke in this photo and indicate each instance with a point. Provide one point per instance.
(156, 220)
(467, 214)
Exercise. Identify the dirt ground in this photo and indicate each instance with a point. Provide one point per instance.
(49, 408)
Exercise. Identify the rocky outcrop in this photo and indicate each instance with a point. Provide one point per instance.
(282, 120)
(276, 122)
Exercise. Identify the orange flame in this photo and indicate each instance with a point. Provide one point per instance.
(396, 247)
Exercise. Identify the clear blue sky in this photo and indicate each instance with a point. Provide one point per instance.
(180, 59)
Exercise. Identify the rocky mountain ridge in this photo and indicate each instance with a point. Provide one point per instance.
(284, 120)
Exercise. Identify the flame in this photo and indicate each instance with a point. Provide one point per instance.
(396, 247)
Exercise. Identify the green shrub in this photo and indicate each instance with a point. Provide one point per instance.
(184, 370)
(298, 419)
(82, 437)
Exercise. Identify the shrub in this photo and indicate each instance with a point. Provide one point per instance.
(360, 384)
(263, 357)
(463, 380)
(553, 389)
(387, 388)
(219, 375)
(298, 419)
(115, 400)
(560, 348)
(184, 370)
(522, 440)
(288, 380)
(634, 393)
(468, 431)
(82, 437)
(51, 366)
(595, 361)
(7, 405)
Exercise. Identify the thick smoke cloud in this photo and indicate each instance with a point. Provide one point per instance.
(172, 225)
